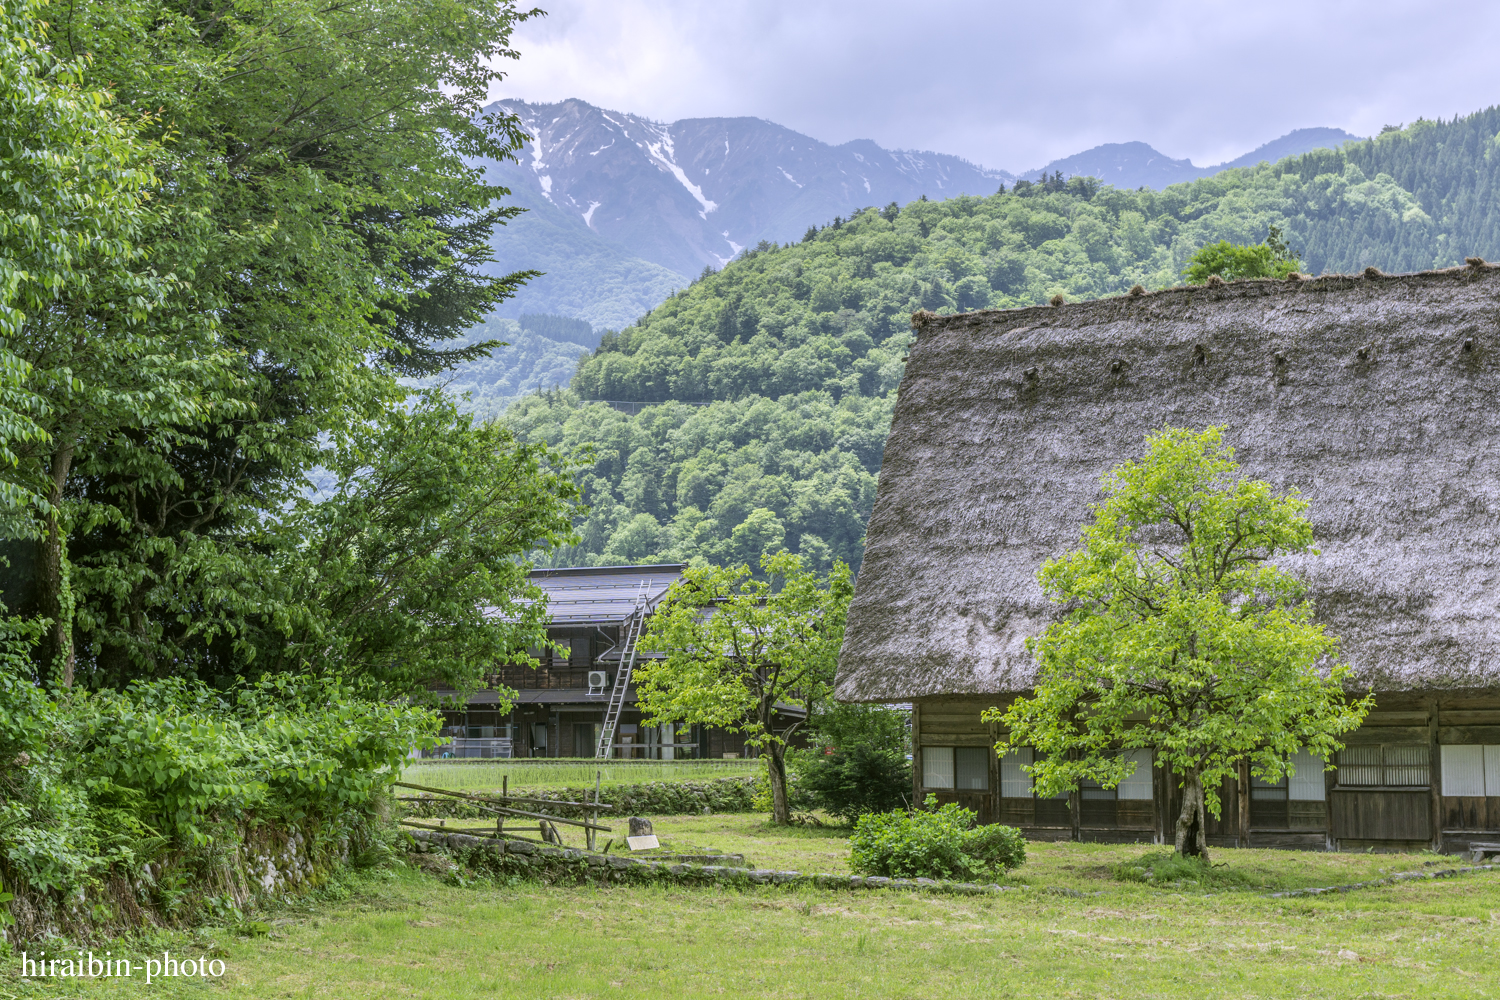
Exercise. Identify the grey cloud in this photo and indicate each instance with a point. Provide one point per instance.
(1016, 85)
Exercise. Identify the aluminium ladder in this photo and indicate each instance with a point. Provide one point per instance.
(605, 750)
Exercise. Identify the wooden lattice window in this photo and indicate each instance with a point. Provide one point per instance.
(1399, 765)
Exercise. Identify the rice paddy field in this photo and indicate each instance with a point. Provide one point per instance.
(1072, 927)
(486, 775)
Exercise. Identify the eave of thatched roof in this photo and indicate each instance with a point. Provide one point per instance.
(1378, 396)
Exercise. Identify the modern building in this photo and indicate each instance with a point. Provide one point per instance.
(559, 706)
(1377, 396)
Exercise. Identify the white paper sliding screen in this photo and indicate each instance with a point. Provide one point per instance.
(1015, 783)
(937, 767)
(1463, 770)
(1137, 787)
(1308, 784)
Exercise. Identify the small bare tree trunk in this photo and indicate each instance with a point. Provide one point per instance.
(1192, 822)
(781, 813)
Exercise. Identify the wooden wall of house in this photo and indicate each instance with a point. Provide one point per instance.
(1387, 793)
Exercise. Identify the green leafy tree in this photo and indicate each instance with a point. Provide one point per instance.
(78, 300)
(412, 568)
(738, 648)
(322, 211)
(1271, 259)
(1182, 636)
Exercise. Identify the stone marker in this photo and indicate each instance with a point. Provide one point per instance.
(642, 837)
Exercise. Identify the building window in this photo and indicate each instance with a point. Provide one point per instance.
(1309, 783)
(937, 767)
(1137, 787)
(1386, 766)
(1471, 770)
(971, 768)
(1305, 786)
(964, 769)
(1015, 783)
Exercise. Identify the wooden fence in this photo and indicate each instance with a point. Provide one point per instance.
(543, 823)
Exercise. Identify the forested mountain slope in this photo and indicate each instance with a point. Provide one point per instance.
(799, 347)
(622, 210)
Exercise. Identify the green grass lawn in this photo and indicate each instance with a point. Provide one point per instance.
(485, 775)
(1064, 865)
(403, 933)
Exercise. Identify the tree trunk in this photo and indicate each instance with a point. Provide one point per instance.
(1192, 822)
(55, 650)
(776, 767)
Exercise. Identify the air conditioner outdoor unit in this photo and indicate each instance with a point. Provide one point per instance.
(598, 681)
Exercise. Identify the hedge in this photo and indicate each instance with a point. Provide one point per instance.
(654, 798)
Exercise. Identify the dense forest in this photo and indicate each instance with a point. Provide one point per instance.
(208, 308)
(792, 353)
(236, 547)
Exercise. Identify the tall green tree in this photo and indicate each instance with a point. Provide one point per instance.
(412, 567)
(739, 649)
(320, 211)
(78, 327)
(1183, 636)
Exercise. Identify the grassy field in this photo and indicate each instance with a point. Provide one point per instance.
(404, 933)
(1065, 865)
(1076, 930)
(485, 775)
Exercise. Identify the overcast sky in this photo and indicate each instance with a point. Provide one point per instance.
(1014, 85)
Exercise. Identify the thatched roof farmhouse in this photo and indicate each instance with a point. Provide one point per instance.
(1377, 396)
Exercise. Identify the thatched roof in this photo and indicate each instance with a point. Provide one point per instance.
(1377, 396)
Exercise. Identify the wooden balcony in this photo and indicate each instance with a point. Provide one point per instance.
(546, 678)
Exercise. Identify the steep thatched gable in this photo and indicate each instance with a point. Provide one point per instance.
(1377, 396)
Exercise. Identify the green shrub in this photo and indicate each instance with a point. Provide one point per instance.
(933, 843)
(1170, 868)
(652, 798)
(857, 763)
(998, 848)
(99, 783)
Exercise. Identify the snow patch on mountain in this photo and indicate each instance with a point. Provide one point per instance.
(662, 152)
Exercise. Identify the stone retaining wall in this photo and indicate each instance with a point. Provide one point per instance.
(569, 865)
(258, 862)
(1388, 880)
(572, 866)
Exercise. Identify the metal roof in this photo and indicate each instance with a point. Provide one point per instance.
(602, 595)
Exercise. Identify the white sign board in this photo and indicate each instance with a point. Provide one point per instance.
(642, 843)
